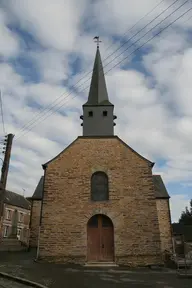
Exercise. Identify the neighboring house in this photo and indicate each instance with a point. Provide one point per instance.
(185, 231)
(98, 200)
(12, 202)
(182, 239)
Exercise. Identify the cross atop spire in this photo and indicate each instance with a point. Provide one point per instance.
(96, 38)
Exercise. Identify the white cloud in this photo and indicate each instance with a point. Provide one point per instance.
(9, 42)
(153, 108)
(177, 205)
(121, 12)
(52, 64)
(8, 77)
(54, 25)
(129, 12)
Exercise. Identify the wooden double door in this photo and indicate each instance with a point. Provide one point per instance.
(100, 239)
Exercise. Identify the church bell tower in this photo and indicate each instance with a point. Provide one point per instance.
(98, 118)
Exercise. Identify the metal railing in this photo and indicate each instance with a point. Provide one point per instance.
(182, 255)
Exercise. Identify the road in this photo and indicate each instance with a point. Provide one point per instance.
(73, 276)
(4, 283)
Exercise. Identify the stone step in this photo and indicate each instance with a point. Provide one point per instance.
(101, 264)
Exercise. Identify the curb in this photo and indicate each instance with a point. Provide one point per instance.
(22, 280)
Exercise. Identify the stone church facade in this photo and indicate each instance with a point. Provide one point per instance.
(98, 200)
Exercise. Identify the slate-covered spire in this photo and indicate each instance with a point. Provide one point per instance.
(98, 91)
(98, 110)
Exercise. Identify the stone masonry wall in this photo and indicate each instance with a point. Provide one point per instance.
(34, 229)
(164, 224)
(67, 206)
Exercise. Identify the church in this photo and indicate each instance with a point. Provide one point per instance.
(98, 201)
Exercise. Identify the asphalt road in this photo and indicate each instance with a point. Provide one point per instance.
(101, 278)
(4, 283)
(73, 276)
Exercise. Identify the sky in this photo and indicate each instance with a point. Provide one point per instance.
(46, 57)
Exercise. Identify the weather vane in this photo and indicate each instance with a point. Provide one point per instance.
(97, 40)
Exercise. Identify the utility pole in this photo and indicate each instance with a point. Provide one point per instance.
(4, 173)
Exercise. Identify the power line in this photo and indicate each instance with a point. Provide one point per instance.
(116, 64)
(157, 34)
(148, 25)
(137, 23)
(45, 111)
(1, 103)
(31, 122)
(152, 38)
(51, 106)
(148, 32)
(150, 29)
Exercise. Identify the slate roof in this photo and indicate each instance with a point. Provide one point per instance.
(15, 199)
(38, 194)
(160, 189)
(180, 229)
(98, 91)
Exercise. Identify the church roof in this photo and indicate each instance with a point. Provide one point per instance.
(160, 189)
(98, 91)
(100, 137)
(15, 199)
(37, 195)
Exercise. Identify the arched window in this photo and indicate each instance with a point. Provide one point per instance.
(99, 187)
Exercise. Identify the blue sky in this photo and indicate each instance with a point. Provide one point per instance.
(47, 47)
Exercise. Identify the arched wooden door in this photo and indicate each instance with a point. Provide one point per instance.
(100, 239)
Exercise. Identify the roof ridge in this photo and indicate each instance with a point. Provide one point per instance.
(15, 193)
(16, 199)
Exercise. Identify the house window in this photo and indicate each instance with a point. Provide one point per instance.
(6, 230)
(99, 186)
(104, 113)
(8, 214)
(19, 233)
(90, 113)
(21, 217)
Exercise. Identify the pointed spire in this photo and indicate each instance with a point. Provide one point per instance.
(98, 91)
